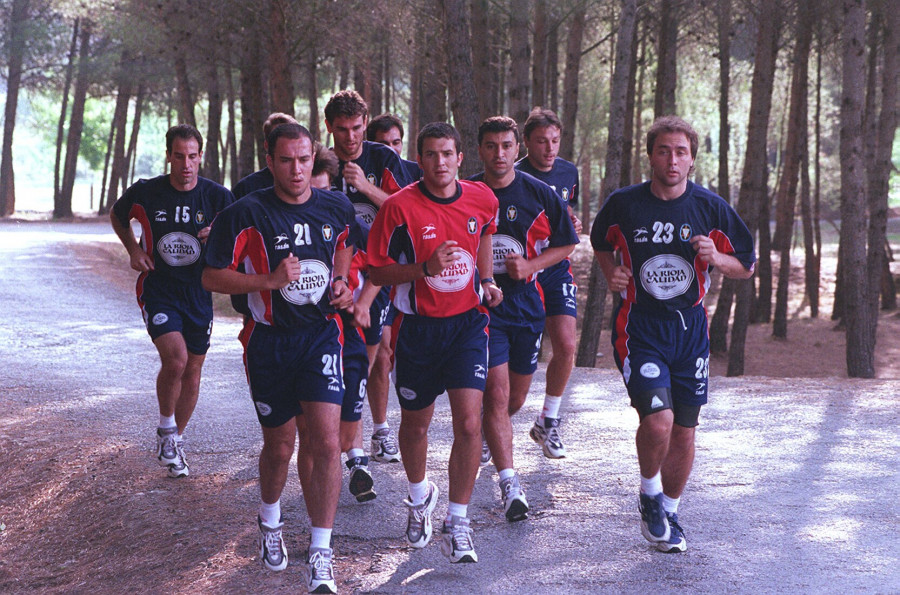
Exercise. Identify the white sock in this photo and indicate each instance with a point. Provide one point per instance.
(670, 505)
(355, 452)
(652, 486)
(418, 492)
(457, 509)
(166, 421)
(381, 426)
(507, 473)
(320, 537)
(551, 407)
(270, 514)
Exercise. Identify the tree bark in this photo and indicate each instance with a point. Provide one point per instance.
(251, 107)
(482, 55)
(667, 67)
(185, 95)
(312, 89)
(463, 102)
(76, 126)
(63, 112)
(858, 317)
(724, 29)
(570, 85)
(119, 166)
(520, 60)
(539, 59)
(16, 44)
(212, 167)
(281, 86)
(432, 83)
(593, 316)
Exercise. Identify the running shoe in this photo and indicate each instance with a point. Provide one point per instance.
(384, 446)
(418, 525)
(272, 551)
(485, 452)
(457, 542)
(166, 450)
(361, 484)
(547, 435)
(514, 502)
(180, 467)
(676, 542)
(654, 525)
(320, 575)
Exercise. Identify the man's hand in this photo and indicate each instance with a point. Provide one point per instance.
(361, 317)
(203, 234)
(341, 296)
(141, 261)
(287, 271)
(576, 222)
(618, 281)
(706, 249)
(443, 256)
(493, 295)
(356, 177)
(517, 267)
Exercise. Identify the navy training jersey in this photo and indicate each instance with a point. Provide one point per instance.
(261, 230)
(653, 237)
(562, 177)
(170, 220)
(413, 171)
(382, 168)
(253, 182)
(530, 219)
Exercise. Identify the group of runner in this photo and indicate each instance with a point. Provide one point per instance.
(353, 267)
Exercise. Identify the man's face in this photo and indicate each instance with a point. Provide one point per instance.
(543, 147)
(392, 139)
(348, 136)
(291, 164)
(184, 159)
(498, 151)
(439, 162)
(670, 160)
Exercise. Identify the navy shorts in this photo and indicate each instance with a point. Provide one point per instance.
(516, 327)
(432, 355)
(286, 367)
(558, 287)
(176, 307)
(378, 314)
(663, 350)
(356, 374)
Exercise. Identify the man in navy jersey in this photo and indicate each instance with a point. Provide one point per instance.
(432, 242)
(542, 133)
(387, 129)
(174, 212)
(296, 244)
(368, 174)
(262, 178)
(668, 234)
(533, 232)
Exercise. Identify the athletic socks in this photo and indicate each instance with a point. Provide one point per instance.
(670, 505)
(319, 537)
(166, 421)
(653, 485)
(418, 492)
(506, 474)
(551, 407)
(355, 452)
(376, 427)
(456, 509)
(270, 514)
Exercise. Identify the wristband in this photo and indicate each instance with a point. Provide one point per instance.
(340, 278)
(488, 280)
(425, 269)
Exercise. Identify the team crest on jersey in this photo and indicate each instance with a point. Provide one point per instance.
(511, 213)
(178, 249)
(311, 286)
(199, 217)
(565, 194)
(685, 232)
(472, 225)
(161, 215)
(372, 179)
(327, 232)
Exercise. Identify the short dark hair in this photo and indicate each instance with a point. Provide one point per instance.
(185, 132)
(289, 131)
(274, 120)
(498, 124)
(324, 161)
(540, 118)
(437, 130)
(347, 103)
(383, 123)
(667, 124)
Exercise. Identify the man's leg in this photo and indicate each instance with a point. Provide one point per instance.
(498, 431)
(383, 448)
(190, 390)
(361, 484)
(173, 356)
(465, 406)
(653, 436)
(278, 447)
(323, 427)
(423, 494)
(177, 389)
(561, 329)
(676, 468)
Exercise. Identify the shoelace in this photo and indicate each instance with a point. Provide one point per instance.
(462, 537)
(387, 443)
(321, 565)
(169, 446)
(673, 523)
(553, 436)
(273, 541)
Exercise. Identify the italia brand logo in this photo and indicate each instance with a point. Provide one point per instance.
(479, 371)
(503, 245)
(685, 232)
(364, 212)
(161, 215)
(282, 242)
(640, 235)
(472, 225)
(428, 232)
(456, 277)
(666, 276)
(511, 213)
(327, 232)
(179, 249)
(311, 285)
(334, 384)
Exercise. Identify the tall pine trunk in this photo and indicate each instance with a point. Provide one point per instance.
(15, 43)
(63, 207)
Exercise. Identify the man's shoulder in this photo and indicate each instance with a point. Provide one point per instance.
(380, 152)
(211, 186)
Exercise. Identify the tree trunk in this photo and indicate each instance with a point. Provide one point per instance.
(312, 85)
(539, 59)
(131, 154)
(463, 101)
(793, 158)
(593, 316)
(76, 125)
(667, 67)
(119, 168)
(520, 61)
(251, 107)
(724, 22)
(553, 63)
(761, 305)
(231, 143)
(61, 125)
(570, 86)
(211, 163)
(432, 83)
(859, 318)
(185, 95)
(281, 86)
(482, 55)
(629, 154)
(817, 191)
(637, 165)
(754, 188)
(15, 42)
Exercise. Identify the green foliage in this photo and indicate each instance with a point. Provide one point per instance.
(44, 119)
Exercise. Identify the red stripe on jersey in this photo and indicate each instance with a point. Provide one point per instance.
(250, 248)
(621, 345)
(537, 235)
(244, 338)
(389, 182)
(138, 212)
(615, 238)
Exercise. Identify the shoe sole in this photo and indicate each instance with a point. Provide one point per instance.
(672, 548)
(518, 511)
(179, 474)
(323, 588)
(385, 458)
(645, 531)
(361, 486)
(467, 558)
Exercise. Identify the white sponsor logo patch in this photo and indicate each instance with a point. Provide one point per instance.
(502, 246)
(311, 285)
(178, 249)
(160, 319)
(650, 370)
(455, 277)
(407, 393)
(263, 409)
(365, 212)
(666, 276)
(655, 402)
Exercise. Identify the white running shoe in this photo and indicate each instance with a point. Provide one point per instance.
(514, 502)
(166, 449)
(320, 574)
(384, 447)
(180, 467)
(457, 543)
(418, 524)
(272, 550)
(547, 435)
